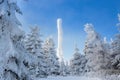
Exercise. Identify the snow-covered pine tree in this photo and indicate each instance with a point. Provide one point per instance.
(107, 45)
(107, 56)
(115, 57)
(67, 66)
(11, 50)
(94, 50)
(77, 63)
(51, 56)
(62, 68)
(33, 45)
(83, 62)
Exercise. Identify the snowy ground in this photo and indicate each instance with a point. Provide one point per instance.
(69, 78)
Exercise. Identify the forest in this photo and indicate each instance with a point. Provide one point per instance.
(27, 57)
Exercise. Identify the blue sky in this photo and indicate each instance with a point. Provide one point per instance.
(74, 13)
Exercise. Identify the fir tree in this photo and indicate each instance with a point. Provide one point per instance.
(94, 50)
(115, 57)
(62, 68)
(77, 63)
(51, 56)
(33, 44)
(12, 50)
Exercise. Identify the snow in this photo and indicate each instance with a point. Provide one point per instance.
(51, 55)
(69, 78)
(93, 49)
(22, 60)
(77, 63)
(60, 39)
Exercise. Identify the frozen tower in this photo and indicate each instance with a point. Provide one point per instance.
(59, 49)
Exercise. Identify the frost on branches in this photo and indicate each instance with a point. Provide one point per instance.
(77, 63)
(115, 57)
(11, 49)
(94, 50)
(33, 45)
(51, 56)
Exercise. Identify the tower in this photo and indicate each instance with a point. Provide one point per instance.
(59, 49)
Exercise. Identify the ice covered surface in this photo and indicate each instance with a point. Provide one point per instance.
(69, 78)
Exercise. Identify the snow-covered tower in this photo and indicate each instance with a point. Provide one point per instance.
(59, 49)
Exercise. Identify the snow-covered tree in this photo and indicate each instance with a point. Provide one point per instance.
(62, 68)
(77, 63)
(51, 56)
(116, 49)
(33, 45)
(94, 50)
(11, 47)
(107, 53)
(67, 68)
(107, 45)
(83, 62)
